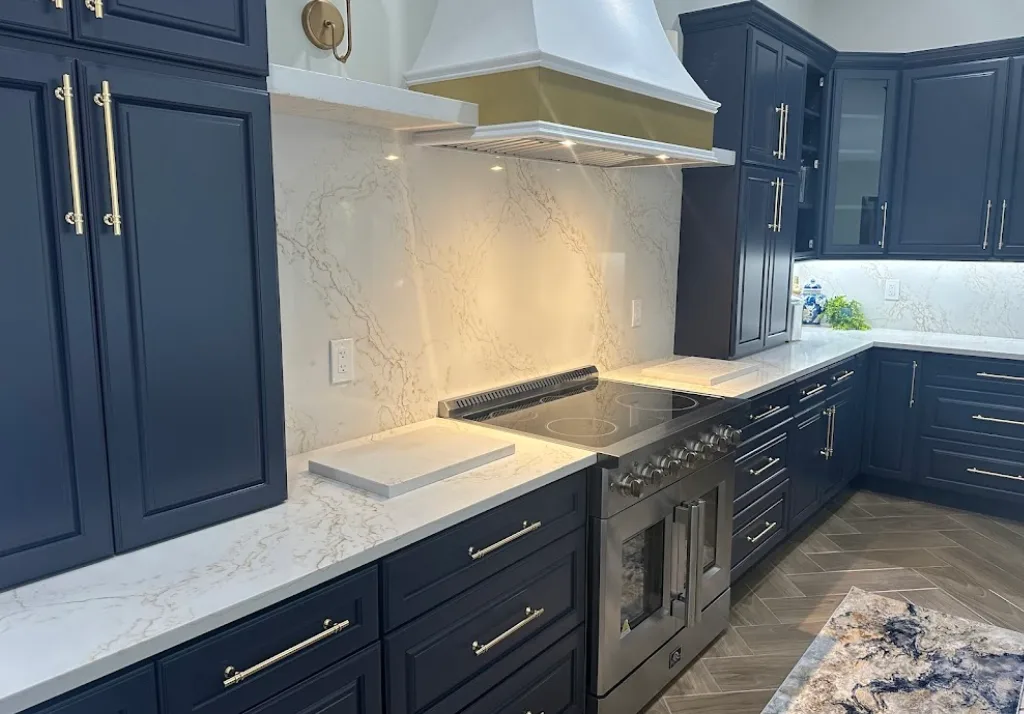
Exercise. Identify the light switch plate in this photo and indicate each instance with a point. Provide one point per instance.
(892, 289)
(342, 361)
(638, 314)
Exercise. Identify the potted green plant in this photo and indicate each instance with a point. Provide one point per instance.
(842, 313)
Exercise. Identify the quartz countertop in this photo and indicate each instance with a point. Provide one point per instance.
(820, 347)
(65, 631)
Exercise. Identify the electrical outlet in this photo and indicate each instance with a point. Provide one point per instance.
(892, 289)
(342, 361)
(638, 314)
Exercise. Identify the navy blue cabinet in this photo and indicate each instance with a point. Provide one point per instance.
(54, 497)
(1009, 237)
(890, 426)
(808, 471)
(792, 89)
(187, 281)
(860, 162)
(50, 17)
(130, 693)
(782, 241)
(948, 159)
(773, 125)
(231, 34)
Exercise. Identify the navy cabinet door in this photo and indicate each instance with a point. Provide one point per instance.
(222, 33)
(36, 16)
(890, 425)
(54, 496)
(189, 300)
(860, 164)
(792, 91)
(763, 120)
(1009, 236)
(131, 693)
(809, 467)
(780, 265)
(756, 238)
(947, 171)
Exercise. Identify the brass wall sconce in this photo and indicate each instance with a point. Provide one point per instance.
(325, 28)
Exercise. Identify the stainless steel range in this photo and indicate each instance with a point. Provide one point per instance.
(661, 526)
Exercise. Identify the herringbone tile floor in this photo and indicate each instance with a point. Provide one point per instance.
(960, 563)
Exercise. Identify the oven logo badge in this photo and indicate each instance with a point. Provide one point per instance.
(675, 657)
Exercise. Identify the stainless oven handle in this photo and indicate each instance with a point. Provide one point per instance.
(696, 568)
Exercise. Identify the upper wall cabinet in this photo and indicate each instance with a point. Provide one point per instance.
(948, 160)
(1009, 237)
(860, 165)
(773, 125)
(46, 16)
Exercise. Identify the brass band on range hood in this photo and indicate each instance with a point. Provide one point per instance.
(540, 94)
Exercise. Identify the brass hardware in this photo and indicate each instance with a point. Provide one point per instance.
(771, 462)
(325, 28)
(768, 528)
(531, 615)
(785, 131)
(811, 391)
(232, 676)
(832, 434)
(780, 110)
(979, 417)
(913, 384)
(782, 193)
(989, 375)
(1002, 225)
(774, 225)
(885, 220)
(771, 411)
(112, 219)
(527, 528)
(843, 377)
(988, 219)
(96, 6)
(66, 96)
(983, 472)
(59, 4)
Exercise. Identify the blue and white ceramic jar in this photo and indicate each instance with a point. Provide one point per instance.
(814, 303)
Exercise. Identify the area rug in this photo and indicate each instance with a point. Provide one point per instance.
(880, 655)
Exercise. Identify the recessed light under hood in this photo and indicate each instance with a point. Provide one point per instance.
(592, 82)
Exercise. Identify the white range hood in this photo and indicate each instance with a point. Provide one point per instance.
(592, 82)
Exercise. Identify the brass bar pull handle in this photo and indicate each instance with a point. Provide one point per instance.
(771, 462)
(979, 417)
(782, 193)
(1002, 225)
(989, 375)
(59, 4)
(811, 391)
(843, 377)
(785, 131)
(983, 472)
(768, 528)
(832, 434)
(95, 7)
(913, 385)
(65, 95)
(781, 111)
(103, 99)
(885, 221)
(771, 411)
(531, 615)
(988, 220)
(231, 676)
(773, 226)
(527, 528)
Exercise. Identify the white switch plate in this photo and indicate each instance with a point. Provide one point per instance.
(342, 361)
(892, 289)
(638, 314)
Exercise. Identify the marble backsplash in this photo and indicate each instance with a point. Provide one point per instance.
(452, 277)
(970, 298)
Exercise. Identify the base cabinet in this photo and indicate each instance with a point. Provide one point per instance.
(890, 426)
(130, 693)
(809, 458)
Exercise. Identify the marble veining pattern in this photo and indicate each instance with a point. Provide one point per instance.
(453, 278)
(960, 297)
(880, 655)
(62, 632)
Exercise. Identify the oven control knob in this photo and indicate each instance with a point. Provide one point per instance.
(701, 449)
(732, 437)
(653, 474)
(631, 485)
(714, 442)
(688, 459)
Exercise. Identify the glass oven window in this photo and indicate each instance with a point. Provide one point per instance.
(709, 549)
(643, 559)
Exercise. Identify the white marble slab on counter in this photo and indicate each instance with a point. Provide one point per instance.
(73, 628)
(820, 347)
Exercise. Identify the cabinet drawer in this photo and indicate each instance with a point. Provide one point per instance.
(552, 683)
(759, 467)
(985, 375)
(469, 645)
(353, 686)
(767, 412)
(193, 680)
(428, 573)
(763, 531)
(811, 391)
(847, 373)
(977, 470)
(974, 417)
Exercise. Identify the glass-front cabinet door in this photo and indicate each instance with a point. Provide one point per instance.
(858, 214)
